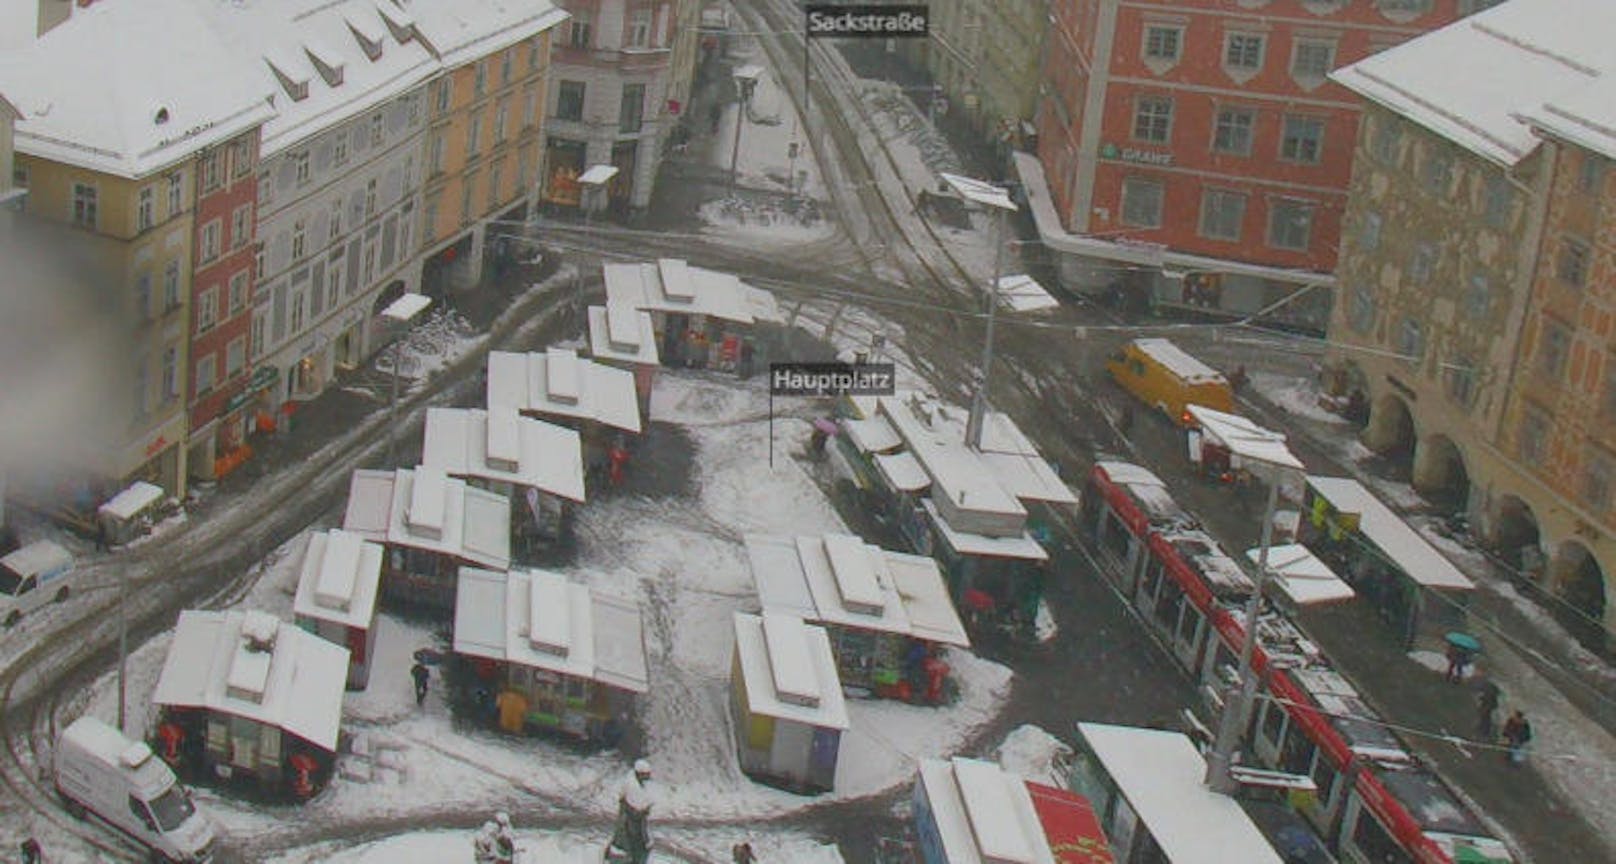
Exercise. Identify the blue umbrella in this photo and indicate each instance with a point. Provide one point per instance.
(1464, 641)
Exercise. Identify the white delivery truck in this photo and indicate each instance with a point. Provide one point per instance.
(31, 575)
(100, 771)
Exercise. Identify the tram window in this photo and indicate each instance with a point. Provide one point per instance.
(1375, 843)
(1167, 605)
(1296, 754)
(1273, 723)
(1116, 537)
(1189, 620)
(1323, 776)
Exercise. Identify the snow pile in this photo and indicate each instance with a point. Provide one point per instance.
(552, 847)
(429, 347)
(1295, 396)
(1033, 753)
(767, 224)
(772, 124)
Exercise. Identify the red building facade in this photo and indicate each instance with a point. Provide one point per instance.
(222, 282)
(1203, 140)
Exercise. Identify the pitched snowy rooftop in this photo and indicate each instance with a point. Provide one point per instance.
(130, 89)
(1021, 546)
(1245, 439)
(338, 579)
(623, 333)
(580, 389)
(1160, 774)
(785, 665)
(983, 814)
(672, 285)
(1301, 576)
(1585, 116)
(297, 685)
(503, 446)
(903, 594)
(539, 619)
(1466, 81)
(956, 471)
(474, 525)
(465, 30)
(1394, 537)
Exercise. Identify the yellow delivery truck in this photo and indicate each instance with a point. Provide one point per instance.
(1163, 376)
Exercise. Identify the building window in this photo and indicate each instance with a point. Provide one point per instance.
(145, 209)
(1233, 131)
(1163, 43)
(435, 152)
(505, 64)
(19, 176)
(210, 240)
(570, 101)
(500, 115)
(1438, 173)
(1369, 232)
(1479, 299)
(480, 82)
(1153, 118)
(579, 36)
(238, 292)
(84, 205)
(639, 29)
(299, 240)
(1303, 139)
(300, 160)
(1554, 348)
(370, 262)
(207, 310)
(378, 129)
(530, 106)
(1571, 262)
(333, 222)
(534, 48)
(1222, 214)
(1411, 341)
(1312, 59)
(1142, 202)
(1500, 199)
(339, 151)
(235, 357)
(142, 388)
(1290, 224)
(300, 303)
(176, 194)
(171, 374)
(474, 134)
(1591, 176)
(370, 197)
(205, 369)
(258, 263)
(1243, 51)
(333, 278)
(241, 158)
(1461, 380)
(1607, 402)
(171, 286)
(1361, 312)
(631, 115)
(465, 197)
(240, 226)
(210, 171)
(1534, 436)
(1404, 8)
(440, 94)
(1596, 482)
(1384, 144)
(266, 189)
(260, 324)
(1421, 263)
(493, 184)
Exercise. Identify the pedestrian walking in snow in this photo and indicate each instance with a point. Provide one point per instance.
(483, 846)
(422, 676)
(1486, 710)
(742, 853)
(631, 841)
(1517, 734)
(1459, 659)
(31, 853)
(504, 839)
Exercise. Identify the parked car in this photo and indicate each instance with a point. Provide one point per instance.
(30, 576)
(100, 772)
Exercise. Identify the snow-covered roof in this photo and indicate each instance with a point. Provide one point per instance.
(1022, 293)
(983, 814)
(130, 89)
(1339, 701)
(297, 684)
(1244, 439)
(621, 332)
(788, 670)
(539, 619)
(1222, 573)
(1019, 546)
(1129, 474)
(1177, 361)
(957, 472)
(501, 445)
(871, 435)
(672, 285)
(1583, 116)
(1468, 80)
(839, 579)
(445, 516)
(137, 497)
(574, 387)
(338, 580)
(1007, 460)
(1301, 576)
(1413, 554)
(902, 470)
(466, 30)
(275, 37)
(1160, 774)
(1150, 493)
(147, 776)
(37, 557)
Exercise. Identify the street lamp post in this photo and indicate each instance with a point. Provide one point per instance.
(746, 79)
(401, 312)
(123, 648)
(981, 192)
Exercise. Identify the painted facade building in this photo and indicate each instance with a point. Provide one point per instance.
(621, 80)
(1456, 325)
(1196, 153)
(985, 57)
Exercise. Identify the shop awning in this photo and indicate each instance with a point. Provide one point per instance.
(1301, 576)
(902, 470)
(1245, 439)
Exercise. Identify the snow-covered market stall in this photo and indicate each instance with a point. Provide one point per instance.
(888, 614)
(623, 336)
(598, 400)
(336, 596)
(248, 699)
(431, 525)
(702, 318)
(970, 810)
(547, 655)
(786, 701)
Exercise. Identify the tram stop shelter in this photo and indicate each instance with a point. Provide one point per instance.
(557, 385)
(1228, 445)
(556, 656)
(336, 596)
(250, 698)
(701, 317)
(505, 453)
(1150, 783)
(431, 525)
(1300, 577)
(1414, 587)
(786, 702)
(888, 614)
(967, 811)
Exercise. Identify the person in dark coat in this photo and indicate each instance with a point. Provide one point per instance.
(422, 676)
(1486, 710)
(742, 853)
(31, 853)
(1517, 734)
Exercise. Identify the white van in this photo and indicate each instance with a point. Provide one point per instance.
(31, 575)
(100, 771)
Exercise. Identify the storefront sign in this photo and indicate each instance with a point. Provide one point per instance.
(867, 22)
(263, 378)
(156, 446)
(1131, 154)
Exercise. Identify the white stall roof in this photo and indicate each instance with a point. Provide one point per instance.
(853, 566)
(339, 578)
(497, 616)
(983, 814)
(874, 435)
(1401, 543)
(925, 598)
(429, 502)
(1244, 438)
(1022, 293)
(604, 394)
(1301, 576)
(370, 504)
(935, 434)
(791, 665)
(476, 523)
(676, 279)
(128, 503)
(1022, 546)
(671, 285)
(297, 685)
(757, 673)
(548, 457)
(1160, 774)
(1029, 478)
(1175, 360)
(622, 333)
(903, 471)
(777, 570)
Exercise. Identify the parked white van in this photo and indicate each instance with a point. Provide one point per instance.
(100, 771)
(31, 575)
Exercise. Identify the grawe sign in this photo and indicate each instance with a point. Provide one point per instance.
(867, 22)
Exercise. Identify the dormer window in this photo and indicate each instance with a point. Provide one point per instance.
(399, 22)
(292, 77)
(327, 62)
(369, 35)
